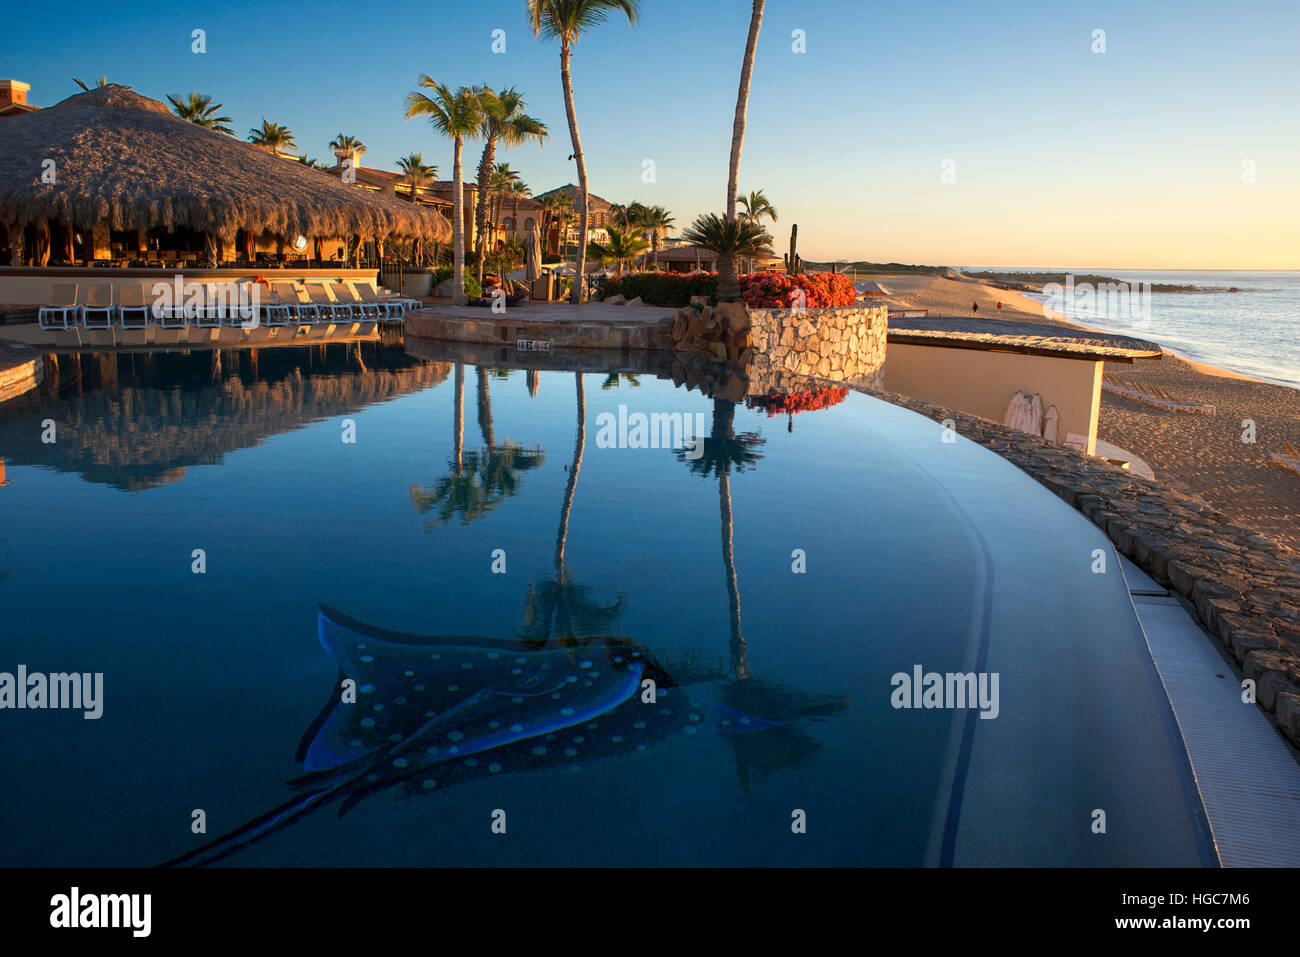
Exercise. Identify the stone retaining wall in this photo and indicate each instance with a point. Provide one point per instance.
(1245, 588)
(21, 369)
(845, 344)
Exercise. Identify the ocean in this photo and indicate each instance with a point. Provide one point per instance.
(1255, 331)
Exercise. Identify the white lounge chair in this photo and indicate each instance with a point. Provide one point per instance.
(276, 311)
(132, 310)
(291, 294)
(394, 307)
(327, 307)
(346, 293)
(97, 310)
(61, 313)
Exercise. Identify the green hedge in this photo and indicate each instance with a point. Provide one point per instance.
(660, 288)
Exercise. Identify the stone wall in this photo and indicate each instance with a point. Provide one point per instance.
(845, 344)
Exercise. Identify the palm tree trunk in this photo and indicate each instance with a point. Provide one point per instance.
(728, 283)
(481, 200)
(567, 82)
(484, 407)
(458, 230)
(458, 416)
(739, 656)
(578, 446)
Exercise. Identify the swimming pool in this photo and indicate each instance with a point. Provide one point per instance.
(460, 602)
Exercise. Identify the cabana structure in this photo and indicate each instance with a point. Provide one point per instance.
(110, 178)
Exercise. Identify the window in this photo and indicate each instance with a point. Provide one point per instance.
(528, 223)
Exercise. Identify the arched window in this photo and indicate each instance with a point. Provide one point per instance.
(528, 223)
(509, 224)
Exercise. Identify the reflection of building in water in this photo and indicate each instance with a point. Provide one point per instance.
(138, 420)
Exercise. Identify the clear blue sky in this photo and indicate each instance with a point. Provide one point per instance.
(1131, 158)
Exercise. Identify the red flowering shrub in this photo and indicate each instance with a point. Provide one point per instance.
(792, 403)
(774, 290)
(764, 290)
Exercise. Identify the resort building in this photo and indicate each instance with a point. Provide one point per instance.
(13, 98)
(565, 233)
(126, 183)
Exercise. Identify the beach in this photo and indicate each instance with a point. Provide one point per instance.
(1204, 456)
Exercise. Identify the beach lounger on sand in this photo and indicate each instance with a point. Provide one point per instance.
(1289, 459)
(1152, 395)
(61, 313)
(97, 310)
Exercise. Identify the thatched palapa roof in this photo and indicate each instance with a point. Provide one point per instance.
(124, 159)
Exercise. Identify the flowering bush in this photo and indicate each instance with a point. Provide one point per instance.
(792, 403)
(774, 290)
(764, 290)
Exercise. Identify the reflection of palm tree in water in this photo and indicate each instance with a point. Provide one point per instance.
(560, 606)
(478, 479)
(787, 745)
(724, 451)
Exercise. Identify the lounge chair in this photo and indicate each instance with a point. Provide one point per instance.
(1289, 459)
(97, 310)
(291, 294)
(1153, 395)
(328, 309)
(61, 313)
(345, 295)
(276, 311)
(394, 306)
(132, 310)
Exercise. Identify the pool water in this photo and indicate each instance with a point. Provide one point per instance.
(429, 594)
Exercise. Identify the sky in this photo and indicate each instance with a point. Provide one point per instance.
(951, 134)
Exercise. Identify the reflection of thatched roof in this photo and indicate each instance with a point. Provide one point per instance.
(124, 158)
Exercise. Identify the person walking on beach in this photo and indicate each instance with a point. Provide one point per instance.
(975, 308)
(999, 305)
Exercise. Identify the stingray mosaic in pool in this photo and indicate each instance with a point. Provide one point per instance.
(356, 606)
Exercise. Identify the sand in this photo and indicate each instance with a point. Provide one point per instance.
(1203, 456)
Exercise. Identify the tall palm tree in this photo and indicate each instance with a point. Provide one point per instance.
(271, 137)
(566, 21)
(198, 108)
(103, 81)
(457, 115)
(503, 182)
(553, 208)
(655, 221)
(505, 123)
(728, 281)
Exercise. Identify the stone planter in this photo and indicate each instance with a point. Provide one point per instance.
(417, 282)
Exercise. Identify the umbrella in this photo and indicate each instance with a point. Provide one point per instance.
(562, 271)
(533, 259)
(873, 288)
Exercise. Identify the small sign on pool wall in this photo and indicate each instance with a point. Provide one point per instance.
(533, 345)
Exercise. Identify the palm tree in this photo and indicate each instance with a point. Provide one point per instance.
(728, 238)
(656, 221)
(503, 182)
(272, 137)
(103, 81)
(458, 116)
(623, 247)
(757, 205)
(566, 21)
(505, 123)
(198, 108)
(728, 282)
(310, 163)
(553, 209)
(416, 172)
(345, 143)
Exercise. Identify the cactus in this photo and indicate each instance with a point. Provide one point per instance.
(793, 264)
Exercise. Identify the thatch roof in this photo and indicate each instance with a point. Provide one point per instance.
(125, 159)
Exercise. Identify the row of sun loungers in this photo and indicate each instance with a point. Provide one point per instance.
(279, 303)
(1153, 395)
